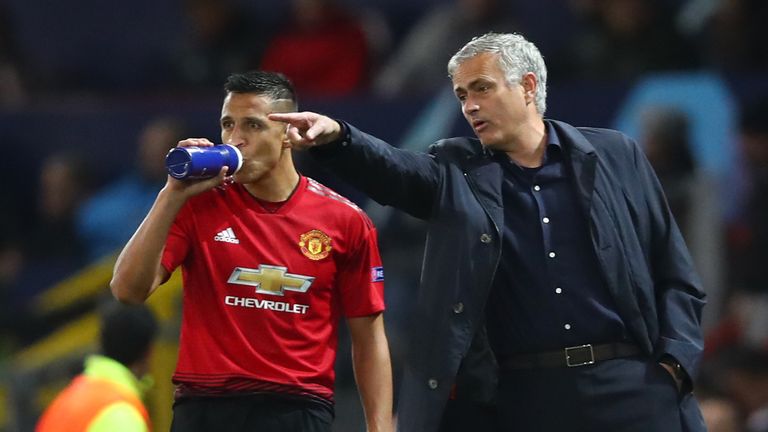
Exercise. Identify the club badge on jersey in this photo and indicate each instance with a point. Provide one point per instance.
(315, 244)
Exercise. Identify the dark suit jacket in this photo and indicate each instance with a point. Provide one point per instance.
(456, 187)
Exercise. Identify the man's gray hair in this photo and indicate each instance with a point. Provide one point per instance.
(517, 56)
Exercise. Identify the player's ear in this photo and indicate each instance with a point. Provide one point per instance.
(285, 140)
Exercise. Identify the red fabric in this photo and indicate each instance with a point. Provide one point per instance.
(331, 60)
(77, 406)
(234, 338)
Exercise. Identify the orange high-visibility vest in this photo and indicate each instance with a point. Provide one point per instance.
(82, 401)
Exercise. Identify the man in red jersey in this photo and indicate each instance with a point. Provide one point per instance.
(271, 260)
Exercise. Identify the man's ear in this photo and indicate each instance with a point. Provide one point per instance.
(286, 141)
(530, 86)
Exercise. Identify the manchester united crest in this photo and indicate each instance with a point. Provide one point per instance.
(315, 244)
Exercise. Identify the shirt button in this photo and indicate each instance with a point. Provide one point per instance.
(432, 383)
(567, 326)
(545, 220)
(344, 143)
(559, 290)
(485, 238)
(536, 188)
(458, 308)
(552, 255)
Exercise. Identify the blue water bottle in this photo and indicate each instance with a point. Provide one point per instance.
(202, 162)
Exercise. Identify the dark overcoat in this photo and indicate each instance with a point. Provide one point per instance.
(456, 188)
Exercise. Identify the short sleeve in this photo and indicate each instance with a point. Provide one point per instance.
(361, 278)
(178, 242)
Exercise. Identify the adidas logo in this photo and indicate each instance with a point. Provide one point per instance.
(227, 236)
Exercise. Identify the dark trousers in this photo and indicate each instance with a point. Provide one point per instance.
(468, 416)
(249, 413)
(620, 395)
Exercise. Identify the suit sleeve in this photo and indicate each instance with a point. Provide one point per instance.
(679, 295)
(403, 179)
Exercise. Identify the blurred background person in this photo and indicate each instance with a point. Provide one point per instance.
(324, 49)
(37, 253)
(720, 415)
(108, 218)
(692, 197)
(106, 397)
(220, 38)
(418, 65)
(621, 39)
(63, 186)
(733, 37)
(748, 235)
(49, 247)
(11, 88)
(739, 376)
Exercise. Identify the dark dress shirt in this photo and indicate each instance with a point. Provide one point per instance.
(548, 292)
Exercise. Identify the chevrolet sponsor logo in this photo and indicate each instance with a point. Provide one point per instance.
(254, 303)
(269, 279)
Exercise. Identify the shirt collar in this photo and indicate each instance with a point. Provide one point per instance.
(554, 148)
(552, 138)
(552, 142)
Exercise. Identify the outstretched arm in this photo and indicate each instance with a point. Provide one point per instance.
(391, 176)
(373, 370)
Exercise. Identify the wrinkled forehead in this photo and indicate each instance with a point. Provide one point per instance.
(484, 66)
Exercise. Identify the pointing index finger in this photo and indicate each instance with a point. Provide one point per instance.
(291, 118)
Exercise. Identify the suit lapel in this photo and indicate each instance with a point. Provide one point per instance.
(582, 159)
(484, 176)
(584, 166)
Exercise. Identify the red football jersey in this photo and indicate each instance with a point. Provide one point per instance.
(264, 292)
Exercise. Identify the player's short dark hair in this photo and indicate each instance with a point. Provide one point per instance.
(127, 332)
(274, 85)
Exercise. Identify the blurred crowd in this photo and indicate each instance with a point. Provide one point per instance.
(333, 49)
